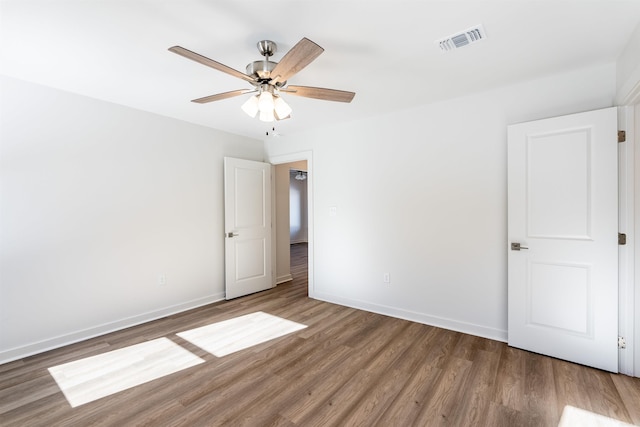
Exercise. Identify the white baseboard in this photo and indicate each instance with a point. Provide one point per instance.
(440, 322)
(283, 279)
(85, 334)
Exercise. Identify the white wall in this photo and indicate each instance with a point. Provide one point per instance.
(628, 70)
(421, 194)
(96, 201)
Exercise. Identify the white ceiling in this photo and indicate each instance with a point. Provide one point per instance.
(116, 50)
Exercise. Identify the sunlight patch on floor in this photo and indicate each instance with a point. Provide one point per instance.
(575, 417)
(229, 336)
(92, 378)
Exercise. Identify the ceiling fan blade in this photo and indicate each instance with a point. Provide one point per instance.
(320, 93)
(210, 63)
(221, 96)
(301, 55)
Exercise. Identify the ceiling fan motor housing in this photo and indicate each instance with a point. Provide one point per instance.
(262, 71)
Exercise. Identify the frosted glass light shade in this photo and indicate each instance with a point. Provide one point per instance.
(265, 102)
(267, 116)
(281, 107)
(251, 106)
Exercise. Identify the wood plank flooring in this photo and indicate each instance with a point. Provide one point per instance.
(347, 368)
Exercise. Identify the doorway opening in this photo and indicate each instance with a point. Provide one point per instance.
(293, 247)
(298, 226)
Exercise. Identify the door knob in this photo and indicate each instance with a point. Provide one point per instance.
(517, 246)
(231, 234)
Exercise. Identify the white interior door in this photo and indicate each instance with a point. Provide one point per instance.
(247, 216)
(563, 211)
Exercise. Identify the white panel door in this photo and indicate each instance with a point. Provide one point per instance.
(563, 211)
(247, 216)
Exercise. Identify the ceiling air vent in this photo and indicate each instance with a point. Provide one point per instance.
(466, 37)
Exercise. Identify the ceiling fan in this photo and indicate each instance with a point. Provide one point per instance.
(269, 79)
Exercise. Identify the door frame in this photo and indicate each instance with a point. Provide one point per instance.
(629, 289)
(290, 158)
(629, 199)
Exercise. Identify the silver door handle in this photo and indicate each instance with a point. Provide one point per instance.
(231, 234)
(517, 246)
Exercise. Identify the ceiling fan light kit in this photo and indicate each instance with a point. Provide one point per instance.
(251, 106)
(270, 78)
(265, 101)
(270, 106)
(281, 108)
(267, 116)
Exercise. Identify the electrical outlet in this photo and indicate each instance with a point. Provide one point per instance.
(162, 280)
(386, 278)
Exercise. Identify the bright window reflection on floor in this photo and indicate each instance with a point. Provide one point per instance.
(574, 417)
(229, 336)
(92, 378)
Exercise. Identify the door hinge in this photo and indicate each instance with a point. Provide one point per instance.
(622, 136)
(622, 343)
(622, 239)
